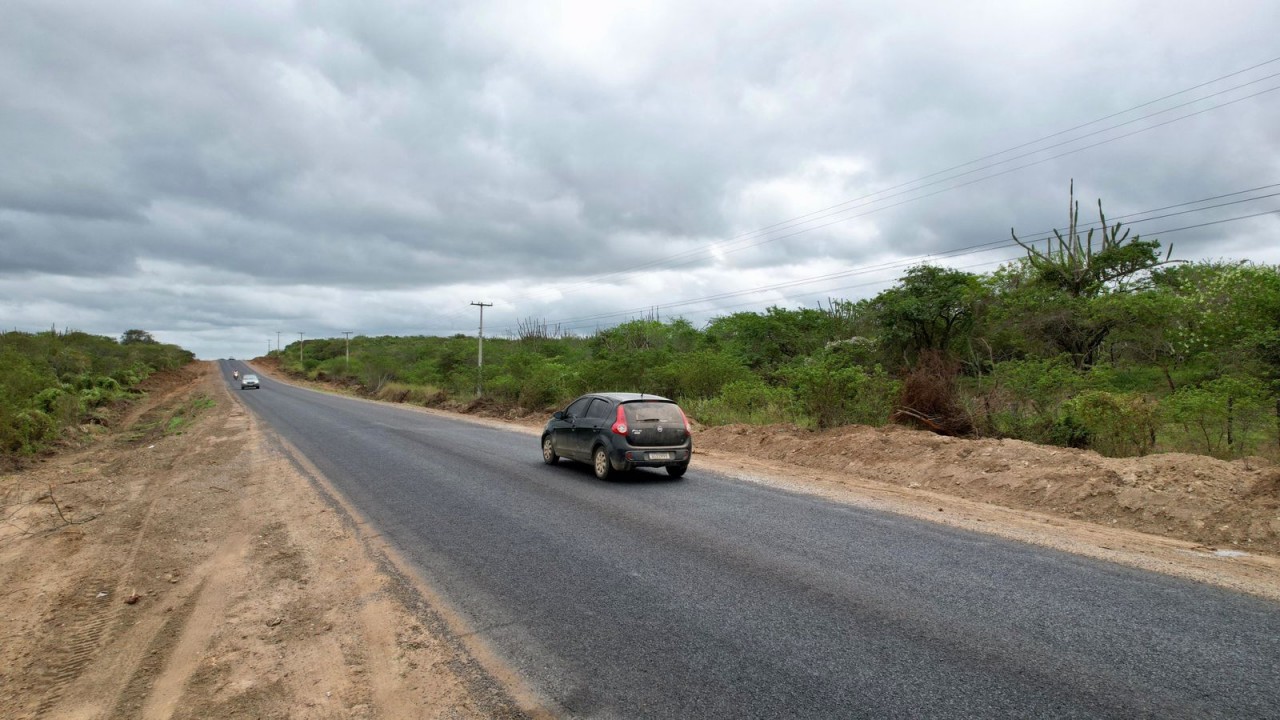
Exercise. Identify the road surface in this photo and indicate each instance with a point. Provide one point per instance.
(710, 597)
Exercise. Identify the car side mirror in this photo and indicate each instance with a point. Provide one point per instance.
(557, 415)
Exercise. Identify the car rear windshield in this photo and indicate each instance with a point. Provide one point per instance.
(658, 412)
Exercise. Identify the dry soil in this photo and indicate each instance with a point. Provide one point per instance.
(182, 566)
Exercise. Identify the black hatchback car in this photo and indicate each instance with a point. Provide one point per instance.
(620, 431)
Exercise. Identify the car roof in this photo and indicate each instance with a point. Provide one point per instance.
(629, 397)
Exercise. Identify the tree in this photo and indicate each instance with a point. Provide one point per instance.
(929, 309)
(1075, 267)
(1072, 280)
(766, 342)
(137, 337)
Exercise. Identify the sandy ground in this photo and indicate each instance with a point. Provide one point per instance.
(186, 564)
(189, 570)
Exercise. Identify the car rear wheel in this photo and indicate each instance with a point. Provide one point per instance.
(600, 463)
(549, 455)
(676, 471)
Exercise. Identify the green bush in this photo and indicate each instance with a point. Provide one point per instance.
(699, 375)
(1021, 399)
(405, 393)
(48, 398)
(1114, 424)
(830, 394)
(49, 381)
(548, 385)
(745, 401)
(108, 384)
(22, 379)
(95, 397)
(33, 429)
(1224, 417)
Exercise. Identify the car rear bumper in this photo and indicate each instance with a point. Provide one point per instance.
(651, 456)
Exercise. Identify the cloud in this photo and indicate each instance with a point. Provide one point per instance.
(214, 173)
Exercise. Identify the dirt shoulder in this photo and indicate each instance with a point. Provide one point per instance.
(184, 566)
(1191, 516)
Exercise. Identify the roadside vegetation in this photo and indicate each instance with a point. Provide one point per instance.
(1097, 341)
(53, 381)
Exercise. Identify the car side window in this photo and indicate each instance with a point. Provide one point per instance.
(578, 408)
(599, 409)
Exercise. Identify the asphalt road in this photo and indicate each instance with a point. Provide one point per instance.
(714, 598)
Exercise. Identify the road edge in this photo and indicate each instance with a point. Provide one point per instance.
(1254, 574)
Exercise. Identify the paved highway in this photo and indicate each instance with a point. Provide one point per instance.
(715, 598)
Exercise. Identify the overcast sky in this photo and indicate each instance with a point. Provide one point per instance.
(217, 172)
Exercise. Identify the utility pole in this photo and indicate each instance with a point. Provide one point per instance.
(480, 356)
(277, 341)
(268, 346)
(348, 334)
(299, 347)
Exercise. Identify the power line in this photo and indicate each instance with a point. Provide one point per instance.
(979, 247)
(826, 212)
(1006, 171)
(873, 283)
(958, 252)
(843, 208)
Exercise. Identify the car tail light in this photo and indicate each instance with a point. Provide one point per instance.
(620, 423)
(687, 429)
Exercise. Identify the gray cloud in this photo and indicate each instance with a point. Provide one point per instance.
(216, 173)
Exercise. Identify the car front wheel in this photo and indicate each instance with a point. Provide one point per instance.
(600, 462)
(549, 455)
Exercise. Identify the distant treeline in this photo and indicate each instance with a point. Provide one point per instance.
(1098, 345)
(1088, 342)
(51, 381)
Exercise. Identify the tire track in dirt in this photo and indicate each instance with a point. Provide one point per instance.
(131, 698)
(257, 597)
(143, 646)
(207, 609)
(82, 619)
(79, 640)
(92, 625)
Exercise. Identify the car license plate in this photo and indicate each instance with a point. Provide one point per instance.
(659, 456)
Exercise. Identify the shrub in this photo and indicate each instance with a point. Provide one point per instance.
(831, 394)
(1021, 399)
(108, 384)
(64, 407)
(49, 380)
(1114, 424)
(929, 395)
(745, 401)
(46, 399)
(405, 393)
(1225, 416)
(96, 397)
(547, 385)
(700, 374)
(33, 429)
